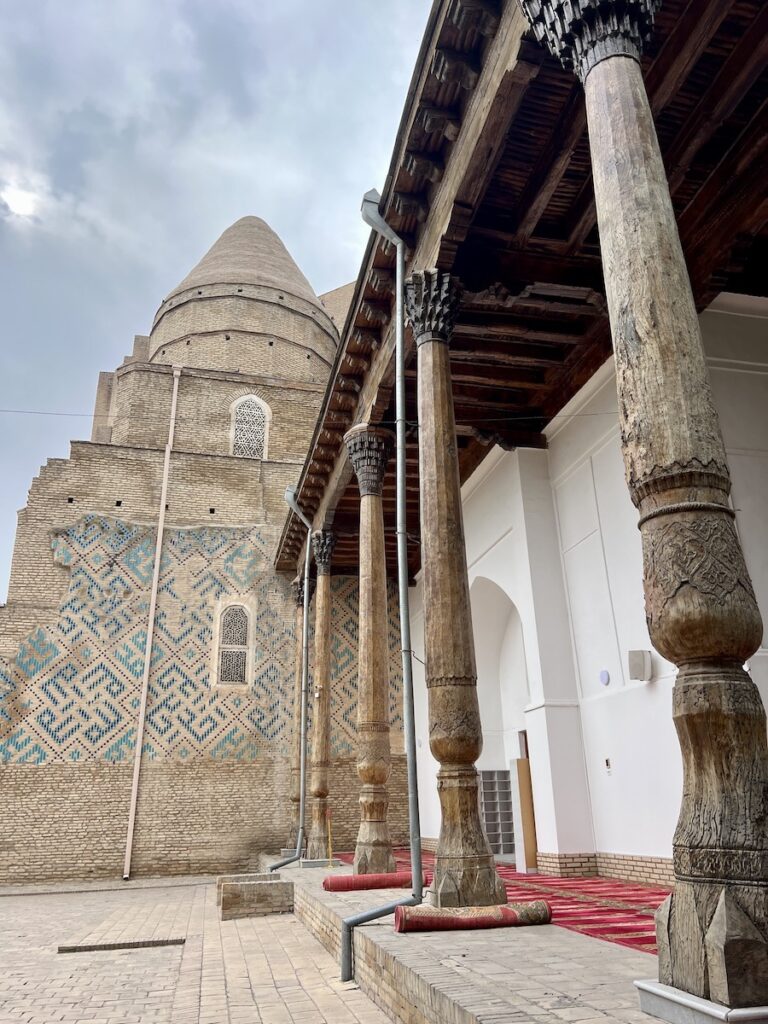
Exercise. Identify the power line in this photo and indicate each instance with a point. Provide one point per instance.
(513, 418)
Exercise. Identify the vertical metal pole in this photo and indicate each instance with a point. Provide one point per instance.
(373, 218)
(304, 689)
(150, 630)
(409, 723)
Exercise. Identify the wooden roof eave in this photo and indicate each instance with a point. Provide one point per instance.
(465, 176)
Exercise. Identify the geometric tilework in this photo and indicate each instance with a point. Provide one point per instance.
(73, 690)
(344, 647)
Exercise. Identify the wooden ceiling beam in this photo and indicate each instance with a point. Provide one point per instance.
(509, 62)
(500, 401)
(491, 377)
(508, 438)
(482, 266)
(490, 146)
(509, 334)
(682, 49)
(486, 353)
(504, 325)
(731, 203)
(552, 164)
(729, 87)
(739, 161)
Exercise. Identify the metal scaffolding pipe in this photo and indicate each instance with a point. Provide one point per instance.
(290, 497)
(150, 630)
(372, 217)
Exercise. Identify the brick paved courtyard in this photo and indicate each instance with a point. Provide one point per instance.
(260, 970)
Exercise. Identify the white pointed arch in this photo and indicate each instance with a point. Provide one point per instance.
(250, 420)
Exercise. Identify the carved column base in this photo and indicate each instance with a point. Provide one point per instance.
(373, 852)
(727, 963)
(465, 871)
(713, 930)
(317, 844)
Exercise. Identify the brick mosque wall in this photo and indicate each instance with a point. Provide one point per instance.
(61, 822)
(215, 773)
(651, 871)
(141, 404)
(566, 865)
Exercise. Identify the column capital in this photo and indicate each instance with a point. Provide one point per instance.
(369, 450)
(581, 33)
(323, 543)
(431, 302)
(298, 588)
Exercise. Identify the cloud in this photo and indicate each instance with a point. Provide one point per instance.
(132, 133)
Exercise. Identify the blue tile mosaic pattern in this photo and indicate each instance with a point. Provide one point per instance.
(72, 693)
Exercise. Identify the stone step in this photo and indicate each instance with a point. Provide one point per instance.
(255, 897)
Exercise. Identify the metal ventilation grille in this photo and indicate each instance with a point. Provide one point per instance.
(232, 667)
(250, 430)
(234, 627)
(233, 658)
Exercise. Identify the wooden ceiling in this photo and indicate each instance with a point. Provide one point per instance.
(491, 181)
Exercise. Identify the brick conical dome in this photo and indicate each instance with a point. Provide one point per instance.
(249, 252)
(241, 306)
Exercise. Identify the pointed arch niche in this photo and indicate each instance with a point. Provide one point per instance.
(502, 677)
(250, 421)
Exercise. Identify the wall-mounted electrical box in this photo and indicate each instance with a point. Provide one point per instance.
(640, 665)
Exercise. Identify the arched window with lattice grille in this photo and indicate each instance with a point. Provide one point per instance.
(250, 427)
(233, 645)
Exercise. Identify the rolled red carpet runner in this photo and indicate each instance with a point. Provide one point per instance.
(427, 919)
(346, 883)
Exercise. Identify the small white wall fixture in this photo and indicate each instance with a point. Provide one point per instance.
(640, 665)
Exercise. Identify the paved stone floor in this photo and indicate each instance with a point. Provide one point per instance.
(260, 970)
(541, 975)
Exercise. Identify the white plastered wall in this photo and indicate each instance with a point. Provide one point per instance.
(525, 683)
(555, 565)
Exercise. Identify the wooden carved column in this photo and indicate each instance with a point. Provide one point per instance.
(298, 589)
(700, 605)
(369, 451)
(317, 845)
(464, 867)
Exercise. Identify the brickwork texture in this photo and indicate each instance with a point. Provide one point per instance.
(215, 776)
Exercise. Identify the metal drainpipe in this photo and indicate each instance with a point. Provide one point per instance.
(373, 218)
(290, 497)
(150, 629)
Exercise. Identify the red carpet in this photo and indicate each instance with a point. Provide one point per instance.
(434, 919)
(603, 908)
(348, 883)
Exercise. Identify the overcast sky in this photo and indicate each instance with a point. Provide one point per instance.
(131, 134)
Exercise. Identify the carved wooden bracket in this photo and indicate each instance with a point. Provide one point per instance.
(451, 66)
(423, 165)
(481, 15)
(435, 119)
